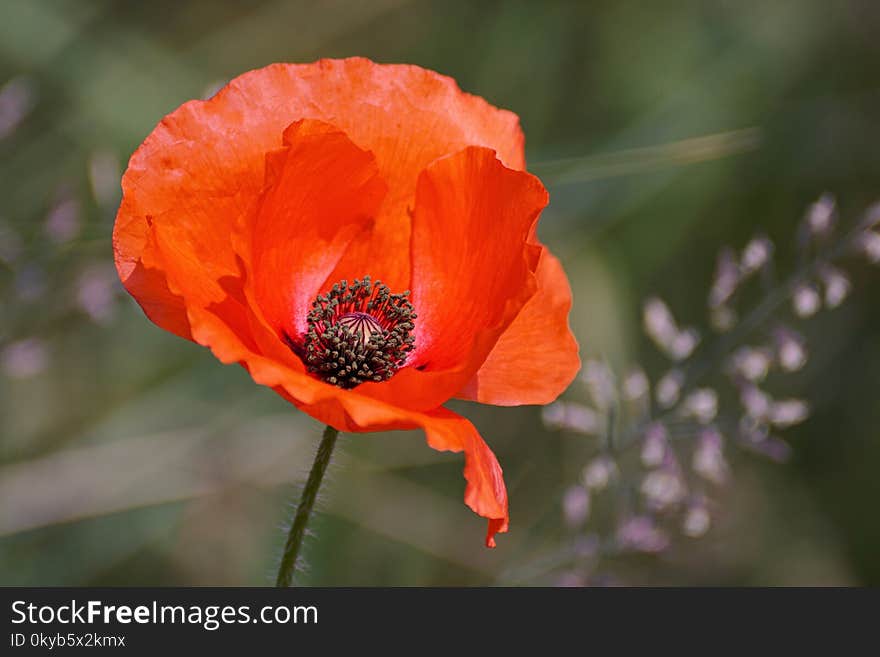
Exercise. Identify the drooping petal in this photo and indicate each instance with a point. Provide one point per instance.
(485, 493)
(536, 358)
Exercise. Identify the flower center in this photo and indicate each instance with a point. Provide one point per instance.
(359, 332)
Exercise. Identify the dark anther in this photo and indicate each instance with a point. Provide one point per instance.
(358, 333)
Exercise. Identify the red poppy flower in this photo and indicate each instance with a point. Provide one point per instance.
(260, 223)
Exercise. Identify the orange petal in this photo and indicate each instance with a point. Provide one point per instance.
(536, 358)
(322, 191)
(201, 167)
(149, 286)
(485, 493)
(472, 271)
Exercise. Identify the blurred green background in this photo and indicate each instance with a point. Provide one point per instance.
(129, 456)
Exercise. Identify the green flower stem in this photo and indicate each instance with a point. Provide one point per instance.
(304, 510)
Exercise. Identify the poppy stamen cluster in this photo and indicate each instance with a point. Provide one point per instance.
(358, 333)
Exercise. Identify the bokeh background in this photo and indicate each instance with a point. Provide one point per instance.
(663, 131)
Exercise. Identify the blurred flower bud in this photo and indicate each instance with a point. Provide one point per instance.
(658, 322)
(821, 216)
(726, 279)
(636, 385)
(696, 521)
(751, 363)
(769, 446)
(654, 445)
(756, 255)
(17, 98)
(641, 534)
(661, 327)
(24, 358)
(708, 457)
(599, 472)
(837, 286)
(668, 388)
(571, 416)
(553, 415)
(600, 384)
(872, 216)
(753, 429)
(96, 290)
(663, 488)
(788, 412)
(63, 222)
(776, 449)
(576, 506)
(683, 344)
(869, 242)
(791, 350)
(701, 404)
(755, 401)
(806, 300)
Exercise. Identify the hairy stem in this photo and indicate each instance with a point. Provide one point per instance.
(304, 510)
